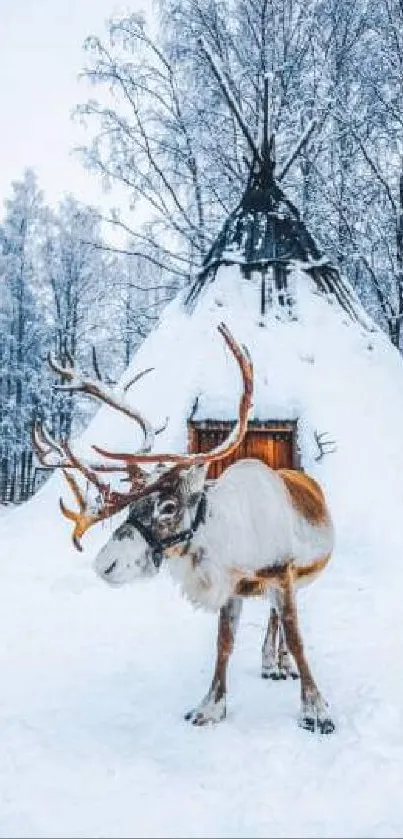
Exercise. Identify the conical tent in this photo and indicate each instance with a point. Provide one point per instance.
(264, 234)
(323, 370)
(266, 237)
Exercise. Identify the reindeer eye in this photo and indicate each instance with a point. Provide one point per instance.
(168, 508)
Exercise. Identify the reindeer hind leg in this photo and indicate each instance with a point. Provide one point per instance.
(286, 665)
(270, 669)
(314, 708)
(276, 659)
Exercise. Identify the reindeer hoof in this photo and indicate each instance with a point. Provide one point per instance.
(325, 726)
(277, 673)
(273, 672)
(197, 718)
(308, 723)
(288, 672)
(210, 713)
(274, 675)
(200, 718)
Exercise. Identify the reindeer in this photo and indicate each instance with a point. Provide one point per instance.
(252, 532)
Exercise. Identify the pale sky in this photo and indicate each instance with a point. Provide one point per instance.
(41, 56)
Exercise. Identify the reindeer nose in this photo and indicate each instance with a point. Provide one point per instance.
(111, 568)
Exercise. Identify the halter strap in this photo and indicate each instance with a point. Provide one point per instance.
(158, 546)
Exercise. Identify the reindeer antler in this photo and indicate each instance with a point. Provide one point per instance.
(324, 444)
(77, 381)
(234, 439)
(60, 455)
(109, 502)
(54, 455)
(47, 450)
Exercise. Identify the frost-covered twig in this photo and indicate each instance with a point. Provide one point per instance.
(297, 148)
(229, 97)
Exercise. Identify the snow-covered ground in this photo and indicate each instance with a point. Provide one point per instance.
(95, 681)
(5, 508)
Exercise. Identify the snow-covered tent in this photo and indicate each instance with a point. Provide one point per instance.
(325, 377)
(328, 385)
(264, 251)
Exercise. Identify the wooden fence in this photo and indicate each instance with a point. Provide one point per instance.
(20, 477)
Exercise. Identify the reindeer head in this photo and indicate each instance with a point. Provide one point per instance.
(166, 501)
(165, 517)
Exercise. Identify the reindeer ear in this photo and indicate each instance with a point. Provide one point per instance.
(192, 479)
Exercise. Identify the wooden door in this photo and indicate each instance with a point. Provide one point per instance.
(274, 446)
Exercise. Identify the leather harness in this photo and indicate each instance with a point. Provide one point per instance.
(158, 546)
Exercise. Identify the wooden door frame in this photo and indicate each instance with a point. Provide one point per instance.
(269, 427)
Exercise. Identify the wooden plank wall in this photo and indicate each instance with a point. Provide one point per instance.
(275, 446)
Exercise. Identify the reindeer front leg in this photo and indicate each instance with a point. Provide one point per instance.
(213, 707)
(314, 708)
